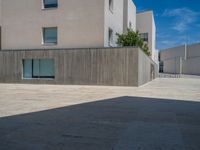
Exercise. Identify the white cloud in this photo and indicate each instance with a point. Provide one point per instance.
(141, 9)
(184, 18)
(167, 40)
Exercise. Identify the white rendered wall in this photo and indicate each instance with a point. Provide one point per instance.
(131, 14)
(145, 24)
(114, 20)
(80, 23)
(0, 12)
(0, 25)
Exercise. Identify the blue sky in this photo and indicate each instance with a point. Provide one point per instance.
(177, 21)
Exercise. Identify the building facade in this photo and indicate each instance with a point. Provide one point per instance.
(147, 29)
(183, 59)
(39, 24)
(71, 42)
(95, 66)
(66, 24)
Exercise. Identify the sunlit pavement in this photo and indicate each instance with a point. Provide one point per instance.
(161, 115)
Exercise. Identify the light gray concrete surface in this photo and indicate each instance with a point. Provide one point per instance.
(162, 115)
(184, 59)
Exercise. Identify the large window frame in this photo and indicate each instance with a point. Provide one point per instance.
(34, 67)
(45, 40)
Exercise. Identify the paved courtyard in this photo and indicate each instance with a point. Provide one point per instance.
(161, 115)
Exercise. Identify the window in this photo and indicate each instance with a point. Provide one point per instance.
(38, 68)
(130, 25)
(50, 3)
(110, 37)
(144, 37)
(111, 5)
(50, 35)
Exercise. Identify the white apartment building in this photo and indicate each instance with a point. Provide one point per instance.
(147, 29)
(50, 24)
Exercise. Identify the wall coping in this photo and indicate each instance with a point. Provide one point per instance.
(52, 49)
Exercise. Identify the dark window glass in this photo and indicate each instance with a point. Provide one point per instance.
(111, 5)
(110, 37)
(50, 35)
(50, 3)
(38, 68)
(27, 68)
(144, 37)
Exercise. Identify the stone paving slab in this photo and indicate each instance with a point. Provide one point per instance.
(162, 115)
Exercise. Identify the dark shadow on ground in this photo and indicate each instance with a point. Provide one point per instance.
(124, 123)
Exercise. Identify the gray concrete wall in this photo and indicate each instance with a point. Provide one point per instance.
(182, 59)
(76, 66)
(193, 50)
(191, 66)
(115, 66)
(172, 66)
(172, 53)
(147, 68)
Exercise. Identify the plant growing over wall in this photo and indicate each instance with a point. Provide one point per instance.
(132, 38)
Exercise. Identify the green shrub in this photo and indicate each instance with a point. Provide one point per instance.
(132, 38)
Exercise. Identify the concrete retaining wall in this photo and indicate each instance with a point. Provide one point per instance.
(107, 66)
(147, 69)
